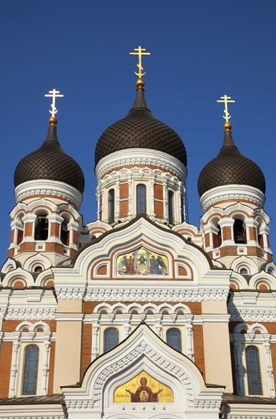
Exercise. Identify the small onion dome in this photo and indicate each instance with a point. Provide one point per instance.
(50, 162)
(139, 129)
(230, 167)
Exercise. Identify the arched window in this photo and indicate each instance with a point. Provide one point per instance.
(170, 207)
(217, 237)
(30, 370)
(174, 338)
(243, 271)
(111, 338)
(141, 199)
(111, 206)
(254, 378)
(41, 228)
(64, 232)
(239, 232)
(20, 229)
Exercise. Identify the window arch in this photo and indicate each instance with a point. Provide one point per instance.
(216, 233)
(141, 199)
(64, 232)
(30, 370)
(111, 338)
(170, 207)
(173, 338)
(41, 227)
(20, 228)
(254, 378)
(239, 232)
(111, 206)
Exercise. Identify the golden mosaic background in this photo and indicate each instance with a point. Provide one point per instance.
(121, 396)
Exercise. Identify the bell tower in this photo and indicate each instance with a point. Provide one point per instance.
(48, 192)
(232, 196)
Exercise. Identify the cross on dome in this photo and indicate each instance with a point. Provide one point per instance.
(226, 100)
(53, 94)
(140, 52)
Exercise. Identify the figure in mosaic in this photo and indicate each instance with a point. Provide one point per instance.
(144, 393)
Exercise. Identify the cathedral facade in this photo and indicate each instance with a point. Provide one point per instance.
(138, 314)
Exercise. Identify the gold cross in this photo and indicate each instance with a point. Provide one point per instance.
(226, 100)
(140, 51)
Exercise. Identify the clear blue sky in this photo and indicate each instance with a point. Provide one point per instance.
(201, 49)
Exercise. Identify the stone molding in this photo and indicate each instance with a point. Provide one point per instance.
(41, 187)
(156, 294)
(232, 193)
(139, 156)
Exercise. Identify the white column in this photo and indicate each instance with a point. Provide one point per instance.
(14, 364)
(117, 200)
(268, 363)
(189, 339)
(158, 325)
(179, 204)
(165, 200)
(127, 325)
(45, 364)
(98, 195)
(152, 198)
(72, 227)
(95, 340)
(130, 198)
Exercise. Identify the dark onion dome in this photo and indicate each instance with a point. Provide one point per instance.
(230, 167)
(50, 162)
(140, 129)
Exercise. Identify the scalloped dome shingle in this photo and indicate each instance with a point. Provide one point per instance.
(50, 162)
(140, 129)
(230, 167)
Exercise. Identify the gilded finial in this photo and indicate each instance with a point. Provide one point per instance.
(226, 100)
(53, 94)
(140, 52)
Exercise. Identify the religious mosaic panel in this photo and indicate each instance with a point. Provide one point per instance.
(143, 388)
(142, 261)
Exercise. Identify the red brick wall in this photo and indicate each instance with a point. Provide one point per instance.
(199, 348)
(5, 368)
(51, 368)
(86, 347)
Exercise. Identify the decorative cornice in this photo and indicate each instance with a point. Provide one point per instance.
(249, 314)
(41, 188)
(31, 312)
(141, 157)
(232, 193)
(160, 294)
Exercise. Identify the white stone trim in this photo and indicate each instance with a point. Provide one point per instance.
(262, 342)
(140, 156)
(232, 193)
(41, 187)
(144, 351)
(31, 411)
(187, 293)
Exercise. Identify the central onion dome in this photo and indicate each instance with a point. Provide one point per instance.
(230, 167)
(50, 162)
(140, 129)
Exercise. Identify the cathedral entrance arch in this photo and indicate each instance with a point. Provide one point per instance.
(142, 377)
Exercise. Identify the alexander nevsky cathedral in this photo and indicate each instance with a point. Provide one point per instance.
(138, 314)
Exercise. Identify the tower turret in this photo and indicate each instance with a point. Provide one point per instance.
(48, 192)
(232, 196)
